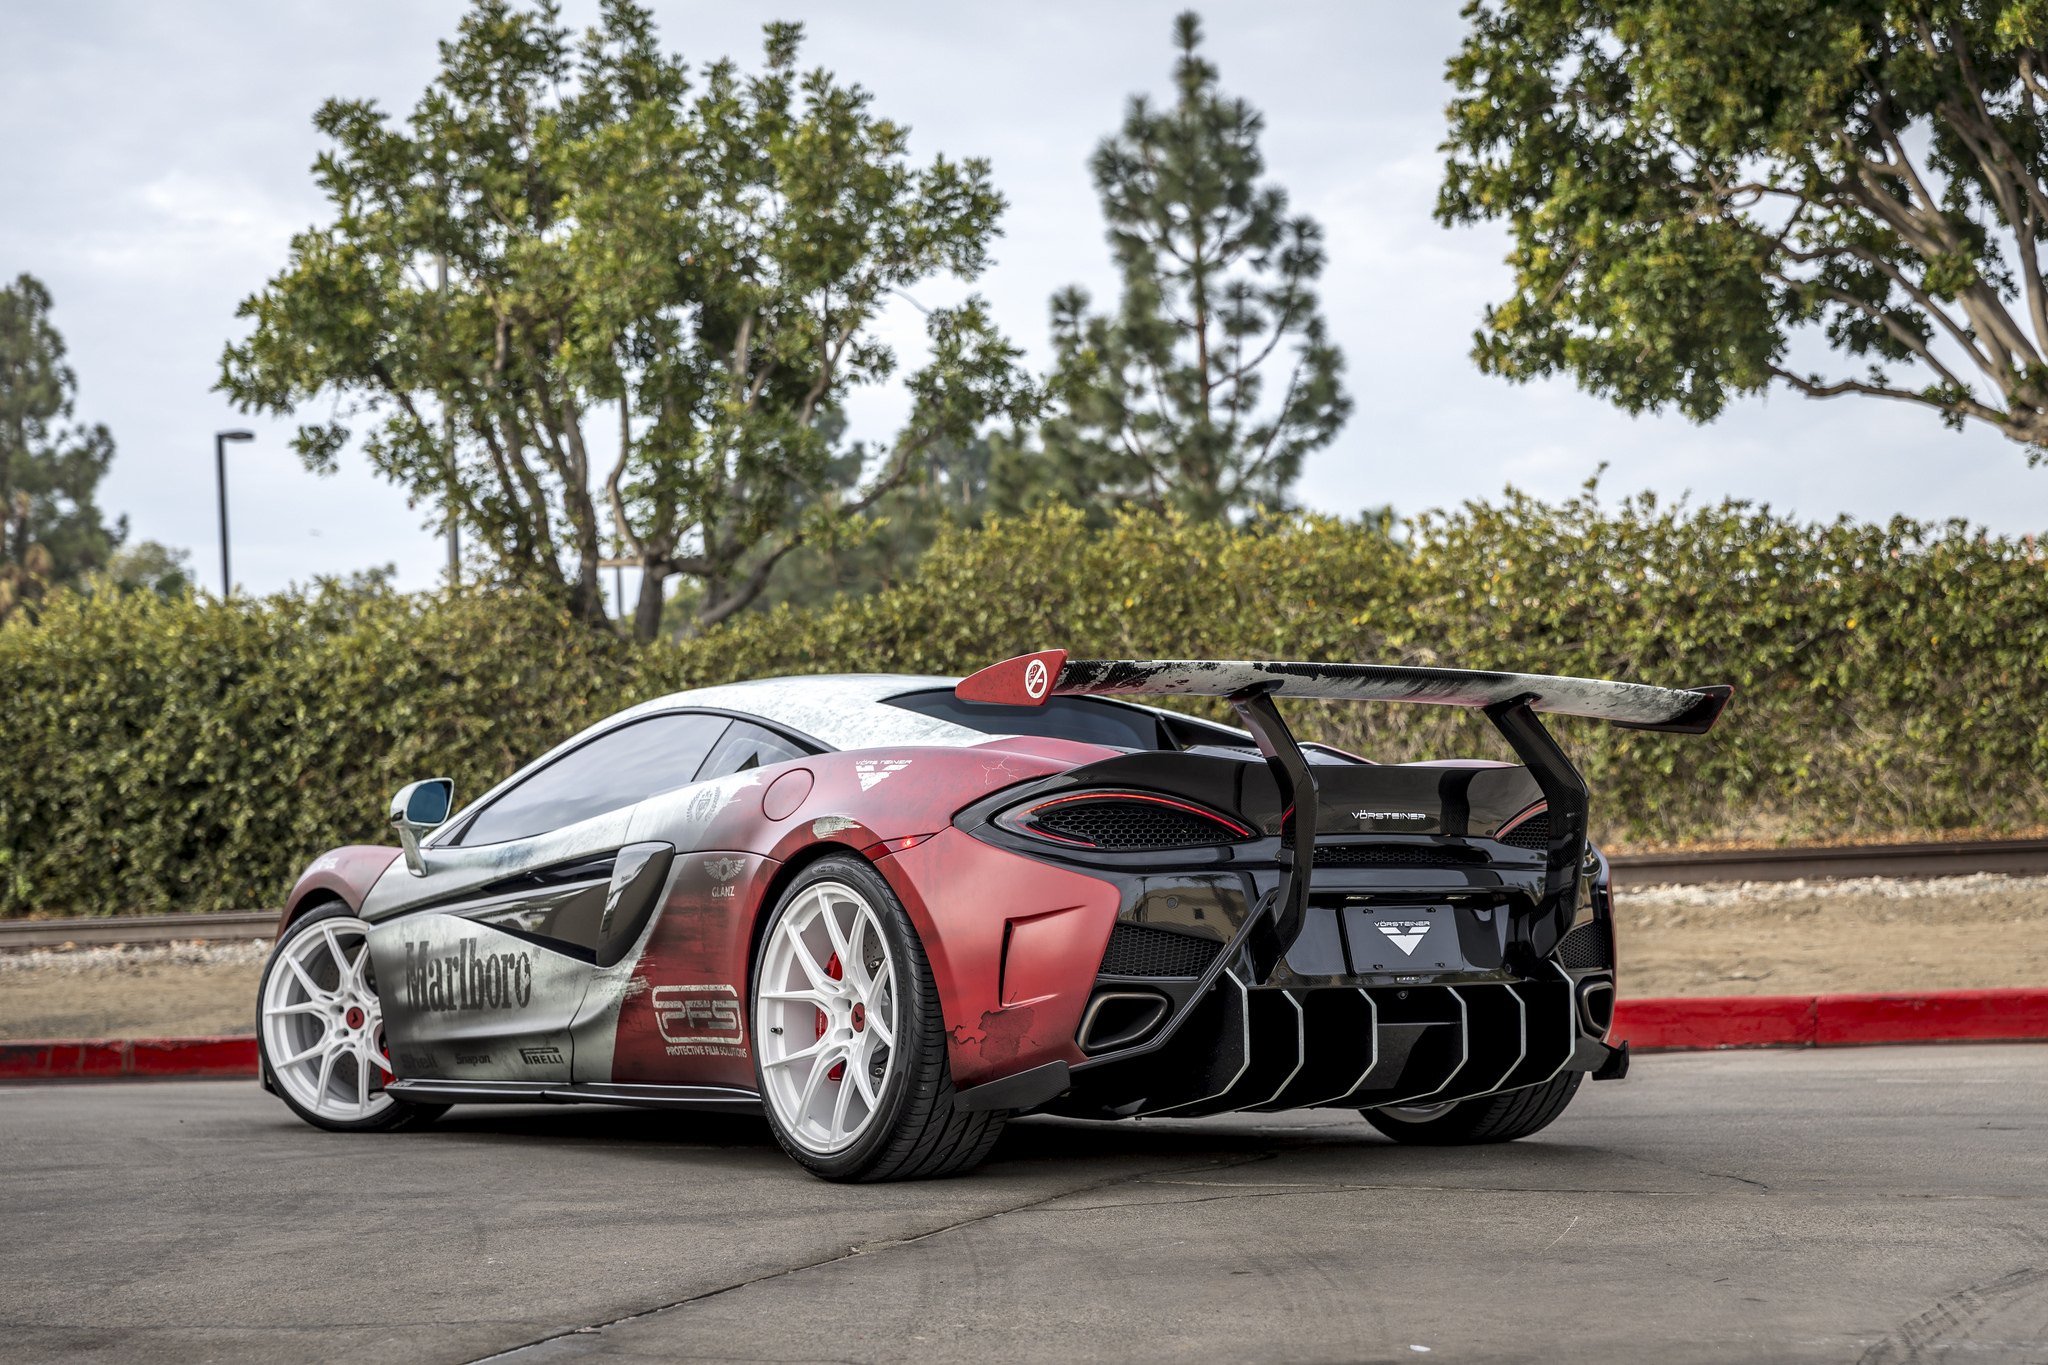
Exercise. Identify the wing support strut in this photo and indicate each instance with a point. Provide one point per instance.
(1274, 932)
(1564, 792)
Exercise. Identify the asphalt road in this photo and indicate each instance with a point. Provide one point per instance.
(1883, 1205)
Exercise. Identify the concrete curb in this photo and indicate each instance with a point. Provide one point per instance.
(1671, 1024)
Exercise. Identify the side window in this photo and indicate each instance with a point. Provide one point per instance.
(748, 746)
(616, 769)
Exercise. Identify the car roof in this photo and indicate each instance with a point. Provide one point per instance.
(843, 710)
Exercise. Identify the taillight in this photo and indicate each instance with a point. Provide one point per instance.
(1122, 820)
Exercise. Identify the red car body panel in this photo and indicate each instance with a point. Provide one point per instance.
(345, 874)
(1013, 944)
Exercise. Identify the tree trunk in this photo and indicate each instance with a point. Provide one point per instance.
(647, 611)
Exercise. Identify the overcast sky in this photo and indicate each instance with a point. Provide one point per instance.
(154, 164)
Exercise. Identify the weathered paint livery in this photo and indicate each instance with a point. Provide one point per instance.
(610, 958)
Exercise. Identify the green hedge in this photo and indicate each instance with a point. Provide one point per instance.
(174, 754)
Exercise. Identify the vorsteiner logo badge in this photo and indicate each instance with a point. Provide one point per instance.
(1389, 815)
(1406, 933)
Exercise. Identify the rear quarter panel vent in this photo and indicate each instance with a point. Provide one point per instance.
(1125, 821)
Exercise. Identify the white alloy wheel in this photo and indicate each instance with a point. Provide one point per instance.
(323, 1030)
(825, 1017)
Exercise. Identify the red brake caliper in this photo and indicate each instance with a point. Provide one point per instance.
(836, 972)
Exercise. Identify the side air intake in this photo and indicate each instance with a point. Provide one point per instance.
(1532, 833)
(1141, 950)
(1585, 948)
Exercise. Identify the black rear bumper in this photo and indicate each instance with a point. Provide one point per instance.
(1245, 1047)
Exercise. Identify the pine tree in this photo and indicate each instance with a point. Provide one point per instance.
(51, 530)
(1216, 374)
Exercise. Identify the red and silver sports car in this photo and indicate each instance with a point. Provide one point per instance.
(892, 912)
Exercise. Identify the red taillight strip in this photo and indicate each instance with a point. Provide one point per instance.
(1242, 831)
(1516, 822)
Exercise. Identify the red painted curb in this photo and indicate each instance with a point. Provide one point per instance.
(1690, 1023)
(1669, 1024)
(1682, 1022)
(115, 1059)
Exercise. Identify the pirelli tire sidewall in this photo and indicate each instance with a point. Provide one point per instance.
(401, 1113)
(1490, 1118)
(917, 1133)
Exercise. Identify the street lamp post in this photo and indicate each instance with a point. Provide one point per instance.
(220, 471)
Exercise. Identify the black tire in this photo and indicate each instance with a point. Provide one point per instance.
(1491, 1118)
(399, 1114)
(918, 1132)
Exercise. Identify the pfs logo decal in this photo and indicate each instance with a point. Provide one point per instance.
(723, 870)
(873, 770)
(699, 1021)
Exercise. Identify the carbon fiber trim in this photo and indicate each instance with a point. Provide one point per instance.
(1245, 1022)
(1300, 1048)
(1464, 1056)
(1372, 1056)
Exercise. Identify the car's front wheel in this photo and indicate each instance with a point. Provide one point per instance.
(849, 1041)
(1491, 1118)
(320, 1028)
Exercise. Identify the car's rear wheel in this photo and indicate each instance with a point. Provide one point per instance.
(1491, 1118)
(849, 1042)
(320, 1028)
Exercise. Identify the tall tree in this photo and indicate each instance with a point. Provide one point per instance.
(1216, 374)
(635, 299)
(1691, 188)
(51, 529)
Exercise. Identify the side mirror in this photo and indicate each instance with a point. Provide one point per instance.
(416, 809)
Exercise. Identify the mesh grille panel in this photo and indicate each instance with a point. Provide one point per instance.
(1140, 950)
(1395, 855)
(1533, 833)
(1130, 824)
(1584, 947)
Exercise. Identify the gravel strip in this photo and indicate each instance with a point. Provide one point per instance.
(1885, 888)
(119, 958)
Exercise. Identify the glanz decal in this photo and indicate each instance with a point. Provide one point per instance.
(1407, 934)
(541, 1056)
(722, 871)
(873, 770)
(461, 978)
(698, 1021)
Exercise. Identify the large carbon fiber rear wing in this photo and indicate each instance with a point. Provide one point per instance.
(1511, 701)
